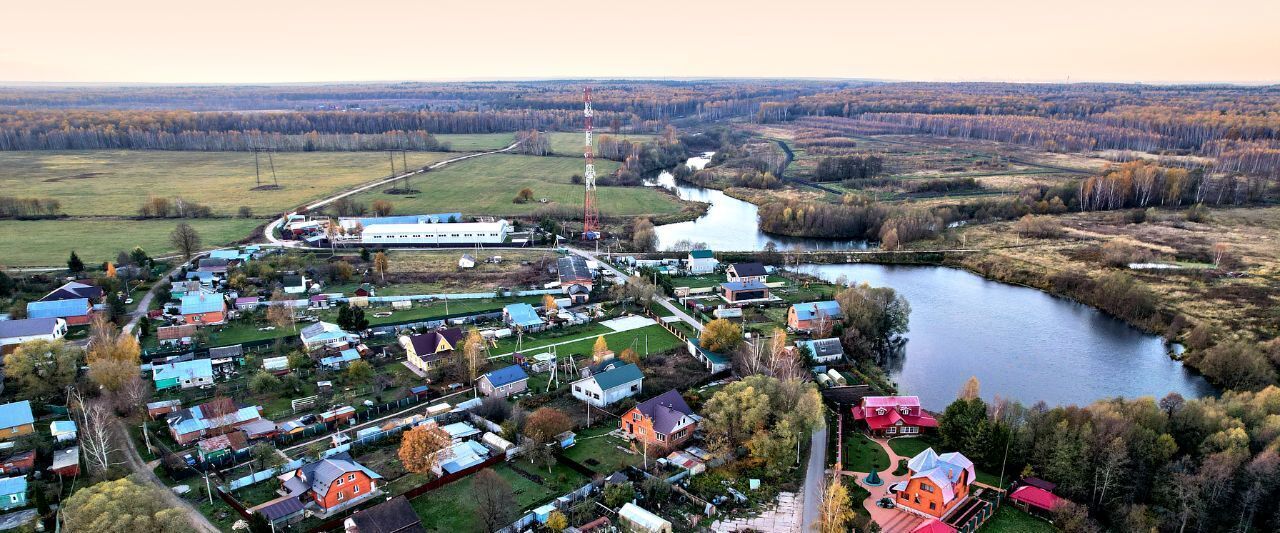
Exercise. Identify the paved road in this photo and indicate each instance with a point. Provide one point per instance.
(137, 465)
(145, 303)
(270, 231)
(813, 477)
(664, 301)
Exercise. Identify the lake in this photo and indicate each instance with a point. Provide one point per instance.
(1021, 343)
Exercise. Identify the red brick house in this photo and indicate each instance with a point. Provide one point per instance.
(664, 420)
(936, 483)
(335, 483)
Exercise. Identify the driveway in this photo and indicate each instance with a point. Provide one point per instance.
(813, 478)
(139, 467)
(890, 520)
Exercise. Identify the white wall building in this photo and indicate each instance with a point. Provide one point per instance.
(453, 234)
(30, 329)
(613, 382)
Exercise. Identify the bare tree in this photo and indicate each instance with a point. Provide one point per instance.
(93, 422)
(185, 239)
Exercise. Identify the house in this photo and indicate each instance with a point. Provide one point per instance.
(247, 303)
(75, 311)
(576, 279)
(460, 456)
(664, 420)
(1034, 499)
(635, 518)
(15, 332)
(180, 335)
(22, 463)
(13, 492)
(740, 292)
(318, 301)
(295, 284)
(63, 430)
(74, 290)
(392, 516)
(746, 272)
(429, 349)
(276, 365)
(217, 265)
(893, 415)
(522, 316)
(324, 334)
(808, 316)
(503, 382)
(933, 525)
(219, 446)
(936, 484)
(466, 261)
(206, 280)
(344, 358)
(233, 256)
(180, 288)
(701, 262)
(823, 350)
(203, 308)
(211, 418)
(365, 290)
(66, 462)
(332, 484)
(614, 382)
(156, 410)
(16, 420)
(184, 374)
(226, 358)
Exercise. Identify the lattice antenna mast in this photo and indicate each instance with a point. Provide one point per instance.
(591, 214)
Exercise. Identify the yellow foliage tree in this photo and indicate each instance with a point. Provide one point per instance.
(630, 356)
(111, 270)
(557, 522)
(600, 349)
(721, 336)
(549, 303)
(835, 512)
(421, 446)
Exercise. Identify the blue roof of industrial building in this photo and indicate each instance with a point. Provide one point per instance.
(523, 314)
(506, 376)
(806, 311)
(16, 414)
(436, 218)
(58, 308)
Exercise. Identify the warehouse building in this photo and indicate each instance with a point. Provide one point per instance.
(455, 234)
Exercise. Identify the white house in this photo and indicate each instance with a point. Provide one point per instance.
(14, 332)
(823, 350)
(702, 262)
(610, 382)
(437, 234)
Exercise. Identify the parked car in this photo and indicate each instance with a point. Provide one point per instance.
(886, 503)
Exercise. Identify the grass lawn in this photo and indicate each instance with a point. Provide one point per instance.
(117, 182)
(861, 453)
(476, 142)
(50, 242)
(910, 446)
(450, 508)
(432, 310)
(1009, 519)
(486, 186)
(595, 445)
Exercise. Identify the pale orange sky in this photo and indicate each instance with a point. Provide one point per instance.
(239, 41)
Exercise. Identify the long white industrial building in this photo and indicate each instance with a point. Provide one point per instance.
(449, 234)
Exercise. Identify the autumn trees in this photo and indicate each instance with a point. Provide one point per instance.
(643, 236)
(721, 336)
(125, 505)
(771, 417)
(42, 369)
(540, 431)
(420, 447)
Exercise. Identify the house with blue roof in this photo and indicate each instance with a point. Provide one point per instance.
(13, 492)
(503, 382)
(203, 308)
(63, 430)
(16, 420)
(323, 334)
(76, 311)
(215, 417)
(807, 316)
(609, 383)
(522, 316)
(184, 374)
(344, 358)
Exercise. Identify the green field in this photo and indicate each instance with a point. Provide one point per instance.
(451, 508)
(487, 185)
(862, 453)
(595, 444)
(477, 142)
(659, 340)
(49, 242)
(1009, 519)
(117, 182)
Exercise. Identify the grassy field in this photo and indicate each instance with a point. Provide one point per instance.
(1009, 519)
(477, 142)
(595, 445)
(450, 508)
(117, 182)
(486, 186)
(50, 242)
(659, 340)
(862, 453)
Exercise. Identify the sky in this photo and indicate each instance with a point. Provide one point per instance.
(277, 41)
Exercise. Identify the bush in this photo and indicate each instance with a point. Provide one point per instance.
(1038, 227)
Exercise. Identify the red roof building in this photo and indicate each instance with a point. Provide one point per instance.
(934, 526)
(1032, 498)
(893, 415)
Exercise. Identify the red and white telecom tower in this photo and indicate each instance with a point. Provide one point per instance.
(590, 214)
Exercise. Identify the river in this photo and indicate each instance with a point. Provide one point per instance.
(1021, 343)
(730, 223)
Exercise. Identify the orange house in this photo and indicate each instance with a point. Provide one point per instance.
(203, 308)
(664, 420)
(937, 483)
(333, 483)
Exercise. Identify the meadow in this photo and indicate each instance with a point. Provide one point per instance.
(476, 142)
(487, 186)
(117, 182)
(49, 242)
(569, 143)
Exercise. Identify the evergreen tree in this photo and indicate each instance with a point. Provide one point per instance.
(74, 264)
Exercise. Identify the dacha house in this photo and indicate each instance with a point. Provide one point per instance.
(427, 350)
(893, 415)
(808, 316)
(664, 420)
(332, 484)
(203, 308)
(16, 420)
(936, 484)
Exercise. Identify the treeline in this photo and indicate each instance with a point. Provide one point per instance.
(848, 168)
(855, 218)
(233, 141)
(1141, 465)
(14, 207)
(177, 207)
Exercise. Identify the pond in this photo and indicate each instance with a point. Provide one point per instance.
(729, 224)
(1020, 343)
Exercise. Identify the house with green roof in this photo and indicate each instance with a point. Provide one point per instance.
(701, 262)
(608, 383)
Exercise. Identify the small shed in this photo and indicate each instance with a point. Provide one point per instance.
(466, 261)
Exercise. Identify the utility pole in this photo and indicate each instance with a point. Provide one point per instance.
(271, 161)
(257, 172)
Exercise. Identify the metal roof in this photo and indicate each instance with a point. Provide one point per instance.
(202, 302)
(701, 254)
(58, 308)
(506, 376)
(522, 314)
(617, 376)
(28, 327)
(573, 268)
(13, 485)
(16, 414)
(197, 368)
(807, 311)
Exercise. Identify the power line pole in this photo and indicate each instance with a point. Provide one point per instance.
(257, 172)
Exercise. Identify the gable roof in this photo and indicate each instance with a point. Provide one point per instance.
(1035, 496)
(235, 350)
(617, 376)
(666, 410)
(13, 485)
(573, 268)
(505, 376)
(195, 368)
(427, 343)
(701, 254)
(735, 286)
(824, 347)
(392, 516)
(934, 526)
(167, 333)
(58, 308)
(809, 310)
(202, 302)
(522, 314)
(28, 327)
(73, 290)
(748, 269)
(943, 470)
(321, 474)
(16, 414)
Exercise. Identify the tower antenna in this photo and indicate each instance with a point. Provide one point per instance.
(590, 214)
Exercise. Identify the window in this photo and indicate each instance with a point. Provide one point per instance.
(661, 437)
(635, 387)
(932, 506)
(339, 481)
(351, 477)
(879, 410)
(890, 431)
(341, 495)
(356, 489)
(926, 487)
(635, 416)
